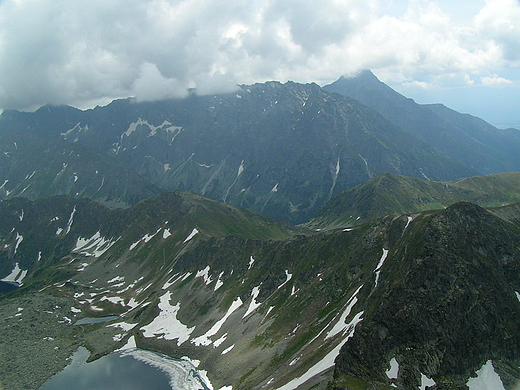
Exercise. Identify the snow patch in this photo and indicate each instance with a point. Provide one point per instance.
(228, 349)
(218, 342)
(325, 363)
(425, 381)
(134, 245)
(16, 276)
(116, 279)
(219, 282)
(341, 326)
(251, 261)
(114, 300)
(130, 344)
(148, 237)
(94, 246)
(205, 275)
(71, 220)
(487, 379)
(166, 233)
(166, 325)
(393, 371)
(18, 241)
(408, 222)
(288, 277)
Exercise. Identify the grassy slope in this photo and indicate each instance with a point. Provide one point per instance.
(389, 194)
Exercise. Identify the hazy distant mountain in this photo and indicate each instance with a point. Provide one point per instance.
(261, 304)
(389, 194)
(469, 140)
(281, 150)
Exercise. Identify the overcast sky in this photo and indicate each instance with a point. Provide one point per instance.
(464, 53)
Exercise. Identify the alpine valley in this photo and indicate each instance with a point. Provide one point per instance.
(283, 236)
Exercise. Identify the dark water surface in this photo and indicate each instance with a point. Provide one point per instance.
(5, 287)
(138, 370)
(94, 320)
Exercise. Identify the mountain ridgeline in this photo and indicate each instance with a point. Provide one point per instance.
(281, 150)
(467, 139)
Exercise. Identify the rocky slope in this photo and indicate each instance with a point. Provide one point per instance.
(259, 303)
(281, 150)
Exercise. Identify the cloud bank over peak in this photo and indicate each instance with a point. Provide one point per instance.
(82, 53)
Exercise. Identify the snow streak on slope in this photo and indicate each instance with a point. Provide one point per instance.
(381, 262)
(288, 277)
(94, 246)
(18, 241)
(329, 359)
(205, 275)
(16, 275)
(192, 234)
(251, 261)
(204, 339)
(71, 220)
(334, 179)
(341, 326)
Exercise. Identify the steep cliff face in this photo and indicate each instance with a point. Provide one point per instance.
(447, 303)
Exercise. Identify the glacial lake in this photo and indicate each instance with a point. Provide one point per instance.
(131, 369)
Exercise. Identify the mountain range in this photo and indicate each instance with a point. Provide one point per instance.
(281, 150)
(174, 223)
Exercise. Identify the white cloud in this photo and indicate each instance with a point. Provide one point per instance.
(495, 81)
(76, 52)
(152, 85)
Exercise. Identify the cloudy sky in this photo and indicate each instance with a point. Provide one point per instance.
(464, 53)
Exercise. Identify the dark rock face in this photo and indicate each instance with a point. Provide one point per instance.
(449, 308)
